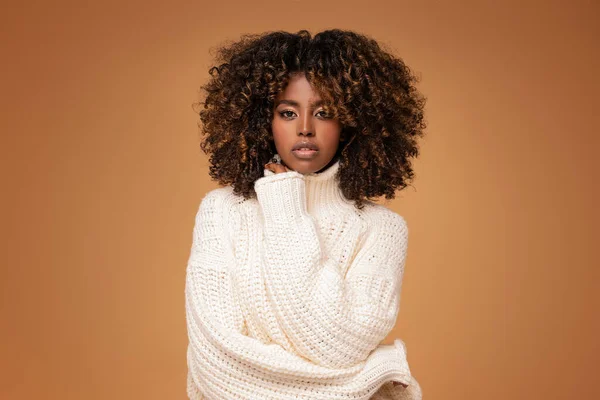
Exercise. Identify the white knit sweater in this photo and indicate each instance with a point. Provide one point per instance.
(288, 296)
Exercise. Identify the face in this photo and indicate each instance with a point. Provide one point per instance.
(299, 117)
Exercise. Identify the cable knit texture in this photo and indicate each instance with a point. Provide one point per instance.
(289, 295)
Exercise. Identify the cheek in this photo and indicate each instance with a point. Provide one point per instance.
(280, 133)
(332, 134)
(279, 128)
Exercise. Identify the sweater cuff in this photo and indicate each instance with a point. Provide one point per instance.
(282, 196)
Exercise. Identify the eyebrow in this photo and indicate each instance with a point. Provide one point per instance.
(295, 103)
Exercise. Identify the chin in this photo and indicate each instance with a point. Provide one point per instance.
(305, 166)
(307, 169)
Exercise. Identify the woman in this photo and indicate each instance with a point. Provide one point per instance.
(294, 275)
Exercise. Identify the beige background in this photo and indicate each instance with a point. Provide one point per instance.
(102, 175)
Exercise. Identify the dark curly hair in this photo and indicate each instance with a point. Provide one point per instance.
(371, 92)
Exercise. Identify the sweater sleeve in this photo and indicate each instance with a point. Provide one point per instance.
(333, 319)
(224, 363)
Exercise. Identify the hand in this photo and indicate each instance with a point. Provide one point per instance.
(276, 168)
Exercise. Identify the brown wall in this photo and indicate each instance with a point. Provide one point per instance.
(102, 175)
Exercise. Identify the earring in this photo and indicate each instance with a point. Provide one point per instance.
(276, 159)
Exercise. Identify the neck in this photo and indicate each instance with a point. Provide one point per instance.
(322, 190)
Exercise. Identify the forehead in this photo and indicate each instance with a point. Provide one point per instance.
(299, 89)
(299, 92)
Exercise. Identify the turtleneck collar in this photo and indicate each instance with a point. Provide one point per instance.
(322, 189)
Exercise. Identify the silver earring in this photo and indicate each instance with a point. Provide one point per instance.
(276, 159)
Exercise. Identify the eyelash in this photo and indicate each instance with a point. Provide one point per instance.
(282, 113)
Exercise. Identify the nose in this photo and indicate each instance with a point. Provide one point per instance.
(305, 125)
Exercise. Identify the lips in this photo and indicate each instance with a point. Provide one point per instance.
(305, 146)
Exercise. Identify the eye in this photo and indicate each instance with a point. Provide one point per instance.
(285, 115)
(324, 115)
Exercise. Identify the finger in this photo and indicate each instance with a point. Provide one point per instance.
(280, 168)
(276, 168)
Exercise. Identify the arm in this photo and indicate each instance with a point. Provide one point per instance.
(218, 353)
(220, 356)
(333, 320)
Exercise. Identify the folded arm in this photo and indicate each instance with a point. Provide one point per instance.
(333, 319)
(220, 356)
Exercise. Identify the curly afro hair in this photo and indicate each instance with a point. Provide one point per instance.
(371, 92)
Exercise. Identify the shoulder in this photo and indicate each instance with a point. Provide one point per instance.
(384, 219)
(385, 229)
(385, 244)
(217, 214)
(218, 204)
(215, 198)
